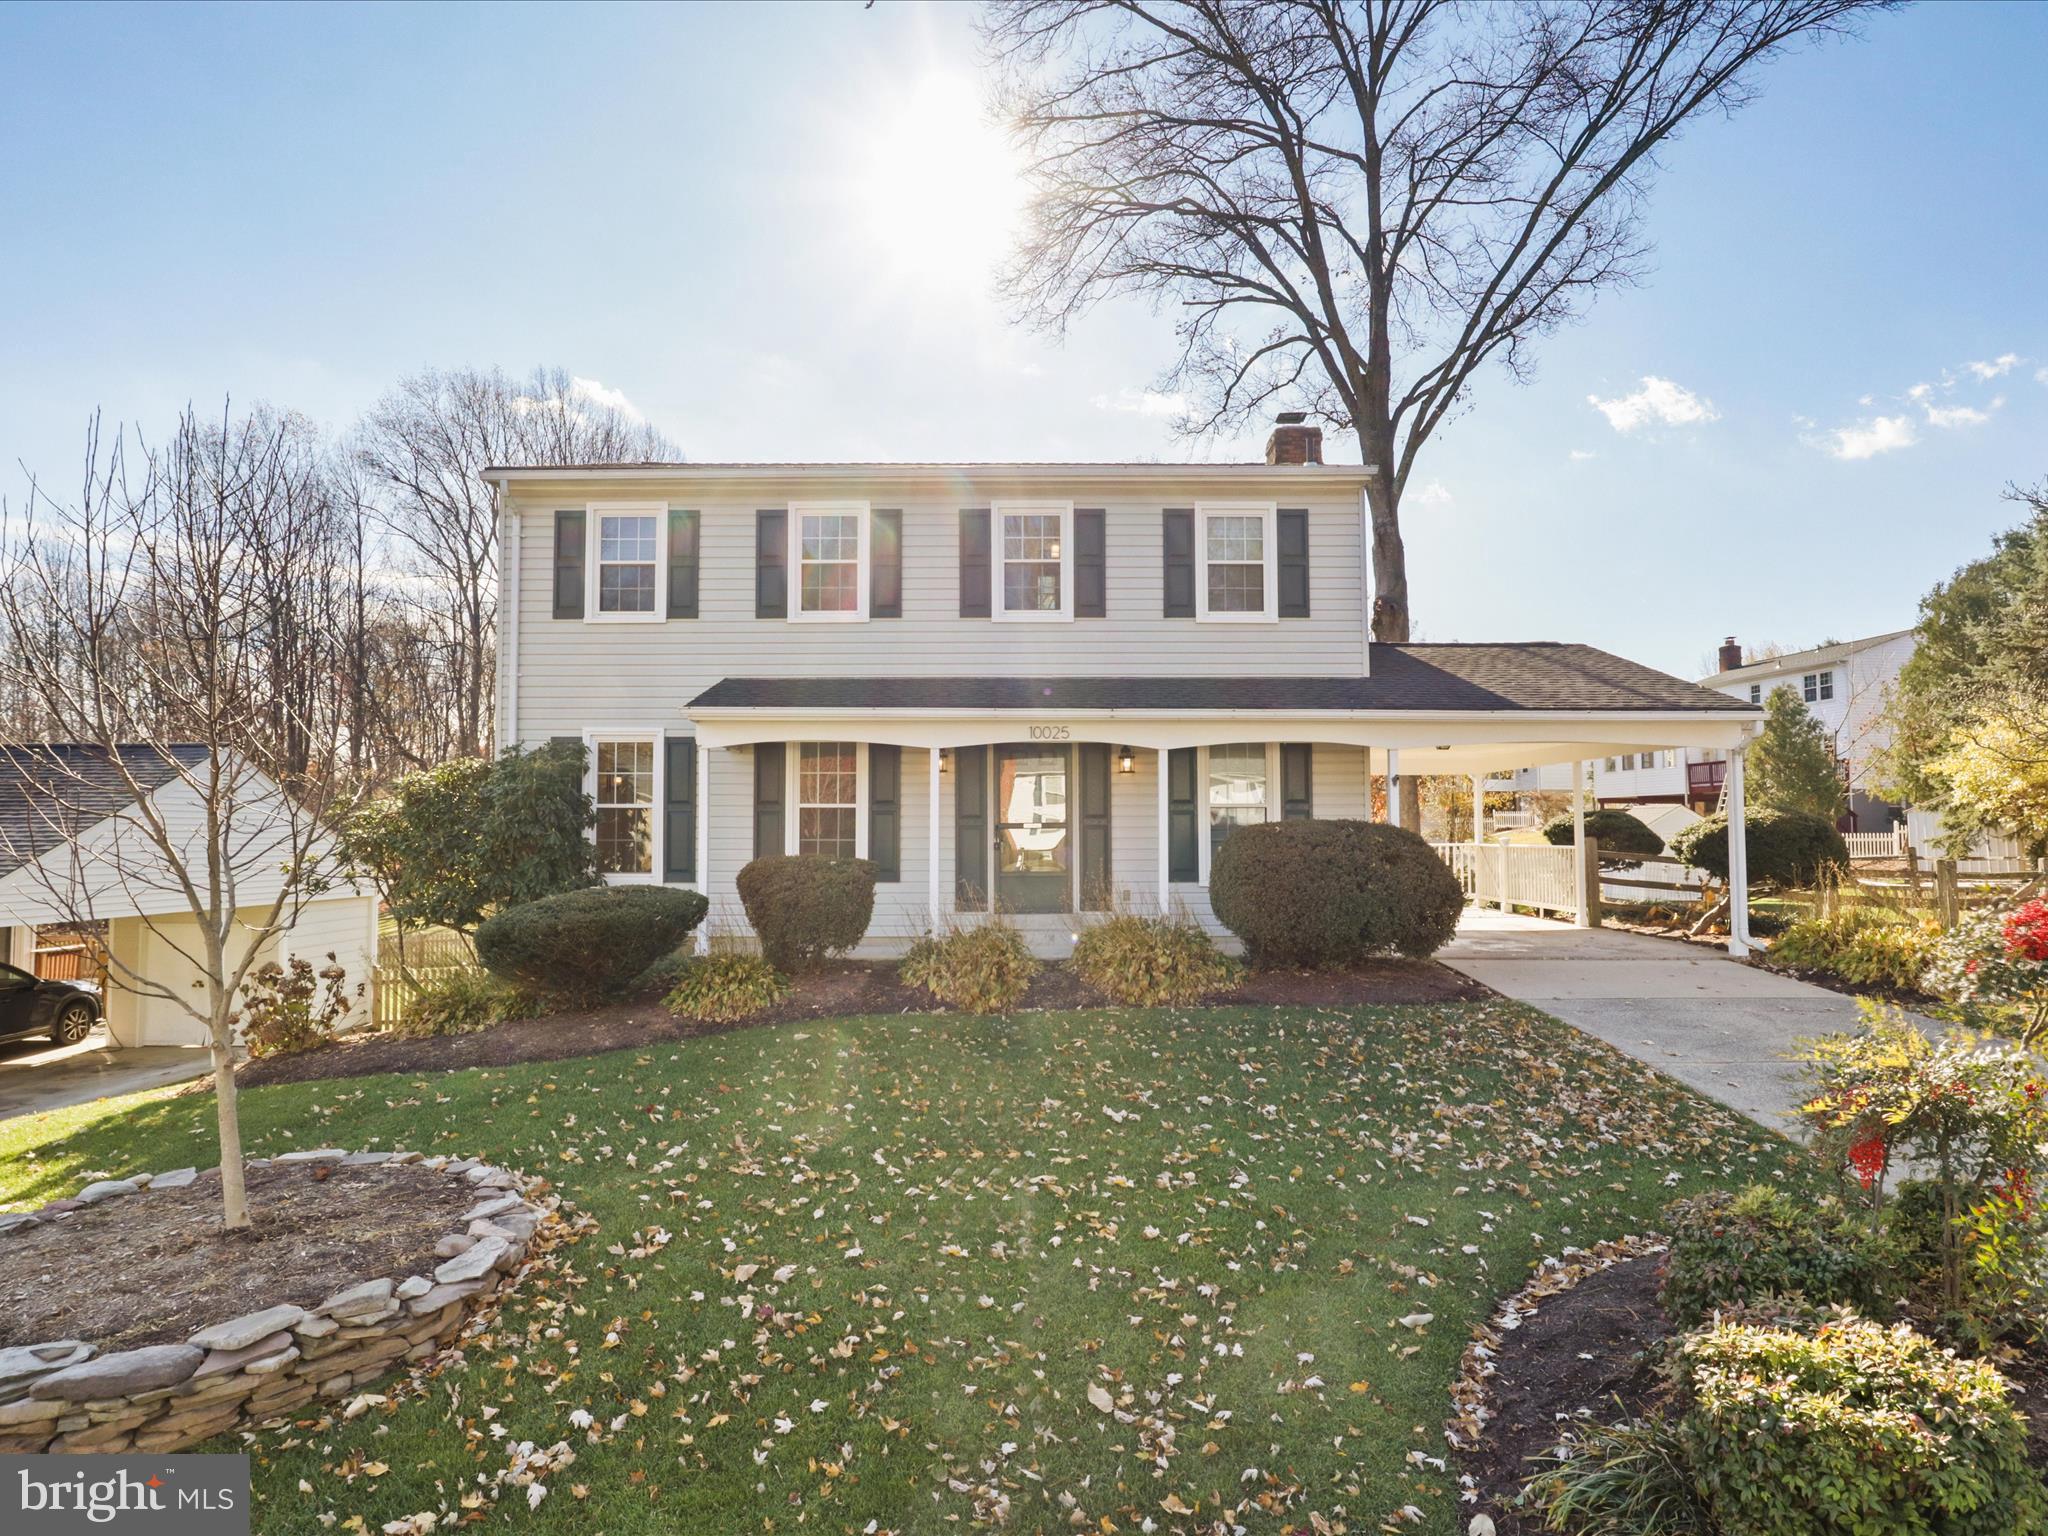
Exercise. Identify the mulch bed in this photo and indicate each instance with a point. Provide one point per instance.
(844, 989)
(1588, 1349)
(1903, 996)
(151, 1267)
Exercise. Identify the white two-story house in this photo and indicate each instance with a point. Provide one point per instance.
(1039, 688)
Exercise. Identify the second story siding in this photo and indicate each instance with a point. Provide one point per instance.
(570, 672)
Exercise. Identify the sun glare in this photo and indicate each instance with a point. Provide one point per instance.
(937, 188)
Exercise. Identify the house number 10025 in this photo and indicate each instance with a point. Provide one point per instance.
(1048, 733)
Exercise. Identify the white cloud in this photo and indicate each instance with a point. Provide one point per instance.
(2041, 375)
(610, 399)
(1580, 455)
(1867, 439)
(2005, 362)
(1659, 400)
(1142, 402)
(1957, 416)
(1434, 494)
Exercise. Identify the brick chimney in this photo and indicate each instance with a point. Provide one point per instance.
(1731, 655)
(1293, 442)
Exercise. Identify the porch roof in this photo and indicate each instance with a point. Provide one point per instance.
(1536, 677)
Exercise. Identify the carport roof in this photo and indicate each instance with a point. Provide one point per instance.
(53, 790)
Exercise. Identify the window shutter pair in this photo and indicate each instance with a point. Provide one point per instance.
(771, 563)
(1291, 562)
(1091, 564)
(679, 813)
(571, 536)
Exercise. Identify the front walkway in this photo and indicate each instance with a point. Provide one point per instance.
(1715, 1024)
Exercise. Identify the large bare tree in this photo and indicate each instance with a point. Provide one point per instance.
(424, 447)
(183, 631)
(1354, 205)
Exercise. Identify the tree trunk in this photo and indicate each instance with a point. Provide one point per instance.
(234, 1194)
(1389, 578)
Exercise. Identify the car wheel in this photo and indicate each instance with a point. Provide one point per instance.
(74, 1022)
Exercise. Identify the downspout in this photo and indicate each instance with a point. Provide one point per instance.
(508, 617)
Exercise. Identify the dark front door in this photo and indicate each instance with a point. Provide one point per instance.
(1034, 846)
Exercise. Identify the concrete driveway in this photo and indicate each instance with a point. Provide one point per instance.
(36, 1075)
(1713, 1023)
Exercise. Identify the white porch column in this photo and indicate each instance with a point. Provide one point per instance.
(1478, 808)
(704, 845)
(932, 843)
(1738, 857)
(1165, 839)
(1582, 918)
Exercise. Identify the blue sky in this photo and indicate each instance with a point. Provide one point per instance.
(770, 229)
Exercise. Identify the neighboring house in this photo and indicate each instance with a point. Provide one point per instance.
(72, 846)
(1049, 687)
(1844, 685)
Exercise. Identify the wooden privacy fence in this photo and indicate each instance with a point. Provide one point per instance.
(1539, 876)
(431, 956)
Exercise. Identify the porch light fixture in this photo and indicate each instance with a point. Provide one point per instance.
(1126, 760)
(945, 760)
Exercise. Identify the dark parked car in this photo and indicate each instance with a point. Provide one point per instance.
(29, 1005)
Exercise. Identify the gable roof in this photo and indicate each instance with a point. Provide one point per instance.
(1794, 661)
(51, 790)
(1423, 678)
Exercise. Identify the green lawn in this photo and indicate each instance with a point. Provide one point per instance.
(1110, 1267)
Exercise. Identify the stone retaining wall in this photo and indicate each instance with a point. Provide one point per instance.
(66, 1396)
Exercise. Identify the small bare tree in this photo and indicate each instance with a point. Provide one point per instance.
(178, 626)
(1354, 205)
(424, 447)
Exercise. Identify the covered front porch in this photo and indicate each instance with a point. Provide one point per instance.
(1058, 801)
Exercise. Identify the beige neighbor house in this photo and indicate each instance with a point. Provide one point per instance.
(79, 848)
(1043, 687)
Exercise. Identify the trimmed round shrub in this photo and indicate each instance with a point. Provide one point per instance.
(984, 969)
(805, 908)
(1151, 962)
(1785, 847)
(1730, 1249)
(590, 942)
(1615, 830)
(1855, 1427)
(1310, 893)
(725, 988)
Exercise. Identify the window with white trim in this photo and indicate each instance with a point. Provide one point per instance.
(1756, 693)
(1236, 550)
(828, 799)
(628, 561)
(625, 792)
(829, 575)
(1032, 574)
(1237, 789)
(1816, 686)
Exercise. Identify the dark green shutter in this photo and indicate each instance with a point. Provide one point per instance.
(885, 811)
(1178, 542)
(1091, 565)
(768, 797)
(1183, 858)
(771, 565)
(1297, 781)
(1293, 540)
(974, 563)
(885, 565)
(970, 829)
(569, 537)
(682, 563)
(679, 812)
(1097, 892)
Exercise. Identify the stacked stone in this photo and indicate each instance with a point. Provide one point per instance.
(65, 1396)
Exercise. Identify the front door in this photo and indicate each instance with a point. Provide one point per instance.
(1033, 844)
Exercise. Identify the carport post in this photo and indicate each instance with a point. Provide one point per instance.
(704, 844)
(932, 842)
(1165, 839)
(1738, 857)
(1478, 808)
(1583, 918)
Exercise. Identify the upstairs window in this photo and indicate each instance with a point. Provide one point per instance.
(624, 794)
(1756, 693)
(1816, 686)
(1032, 575)
(1236, 550)
(828, 799)
(628, 562)
(829, 576)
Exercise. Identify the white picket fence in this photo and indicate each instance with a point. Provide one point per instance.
(1876, 845)
(1539, 876)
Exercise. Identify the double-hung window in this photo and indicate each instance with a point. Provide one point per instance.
(1756, 693)
(828, 578)
(625, 789)
(828, 799)
(1816, 686)
(1237, 555)
(1032, 574)
(628, 562)
(1238, 777)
